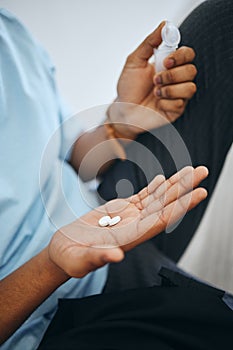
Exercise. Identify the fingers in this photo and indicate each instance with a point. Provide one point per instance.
(175, 187)
(188, 177)
(200, 173)
(156, 223)
(179, 57)
(176, 75)
(174, 86)
(172, 108)
(154, 192)
(141, 55)
(177, 91)
(153, 185)
(175, 210)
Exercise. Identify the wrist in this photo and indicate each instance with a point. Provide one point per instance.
(111, 135)
(122, 116)
(57, 274)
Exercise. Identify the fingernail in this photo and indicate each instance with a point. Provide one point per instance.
(158, 92)
(170, 62)
(158, 80)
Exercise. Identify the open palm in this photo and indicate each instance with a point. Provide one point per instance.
(83, 245)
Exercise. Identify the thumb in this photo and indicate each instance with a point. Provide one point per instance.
(144, 51)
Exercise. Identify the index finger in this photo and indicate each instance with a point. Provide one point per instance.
(179, 57)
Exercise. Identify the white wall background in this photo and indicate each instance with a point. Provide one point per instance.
(89, 40)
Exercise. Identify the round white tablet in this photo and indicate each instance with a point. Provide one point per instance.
(104, 221)
(114, 220)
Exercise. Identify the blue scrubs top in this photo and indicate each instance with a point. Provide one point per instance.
(34, 197)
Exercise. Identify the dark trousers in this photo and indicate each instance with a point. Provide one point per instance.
(180, 314)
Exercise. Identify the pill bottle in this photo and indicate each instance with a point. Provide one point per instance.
(170, 40)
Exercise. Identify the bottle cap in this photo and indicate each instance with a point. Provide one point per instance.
(170, 35)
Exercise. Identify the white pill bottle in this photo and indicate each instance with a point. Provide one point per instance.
(170, 40)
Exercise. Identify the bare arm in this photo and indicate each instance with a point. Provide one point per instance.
(83, 246)
(92, 153)
(25, 289)
(165, 94)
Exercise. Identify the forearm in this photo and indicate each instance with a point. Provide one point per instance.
(94, 152)
(25, 289)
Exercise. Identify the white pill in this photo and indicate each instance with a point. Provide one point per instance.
(104, 221)
(114, 220)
